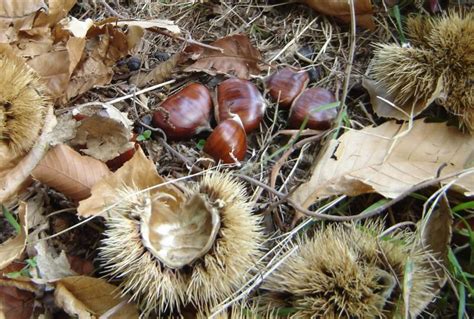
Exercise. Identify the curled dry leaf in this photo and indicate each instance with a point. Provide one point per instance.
(50, 266)
(389, 159)
(104, 133)
(69, 172)
(238, 57)
(341, 10)
(139, 173)
(88, 297)
(13, 178)
(383, 105)
(12, 248)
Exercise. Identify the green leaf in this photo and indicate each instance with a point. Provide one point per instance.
(200, 144)
(11, 219)
(463, 206)
(144, 136)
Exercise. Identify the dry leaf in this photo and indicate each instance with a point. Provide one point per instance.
(16, 303)
(13, 178)
(50, 266)
(139, 173)
(69, 172)
(341, 10)
(12, 248)
(436, 233)
(375, 160)
(382, 101)
(239, 57)
(150, 24)
(104, 133)
(16, 16)
(177, 238)
(88, 297)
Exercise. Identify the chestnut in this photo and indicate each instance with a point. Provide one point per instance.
(241, 97)
(311, 103)
(285, 85)
(228, 141)
(185, 113)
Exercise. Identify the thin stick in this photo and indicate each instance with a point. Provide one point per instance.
(362, 215)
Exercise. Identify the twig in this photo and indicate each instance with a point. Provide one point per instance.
(189, 40)
(112, 10)
(348, 70)
(359, 216)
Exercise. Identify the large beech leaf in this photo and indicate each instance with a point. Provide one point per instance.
(389, 159)
(12, 248)
(341, 10)
(69, 172)
(88, 297)
(239, 57)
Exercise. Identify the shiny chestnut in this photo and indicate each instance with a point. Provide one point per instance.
(312, 103)
(228, 141)
(241, 97)
(185, 113)
(285, 85)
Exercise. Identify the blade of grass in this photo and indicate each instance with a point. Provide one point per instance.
(11, 220)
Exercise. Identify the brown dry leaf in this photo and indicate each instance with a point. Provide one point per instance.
(239, 57)
(16, 303)
(151, 24)
(376, 160)
(16, 16)
(88, 297)
(436, 233)
(69, 172)
(13, 178)
(105, 132)
(341, 10)
(382, 101)
(139, 173)
(12, 248)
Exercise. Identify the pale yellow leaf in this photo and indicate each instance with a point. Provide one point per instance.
(69, 172)
(88, 297)
(155, 23)
(389, 159)
(137, 173)
(12, 248)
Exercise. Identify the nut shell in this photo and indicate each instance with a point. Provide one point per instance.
(185, 113)
(228, 141)
(241, 97)
(307, 104)
(285, 85)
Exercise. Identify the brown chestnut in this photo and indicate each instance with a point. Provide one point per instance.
(285, 85)
(241, 97)
(185, 113)
(312, 104)
(228, 141)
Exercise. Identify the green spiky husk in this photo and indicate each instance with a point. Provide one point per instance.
(22, 103)
(207, 281)
(443, 49)
(338, 274)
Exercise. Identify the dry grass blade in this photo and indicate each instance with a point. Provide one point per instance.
(69, 172)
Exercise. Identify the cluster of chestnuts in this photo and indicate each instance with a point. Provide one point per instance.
(239, 108)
